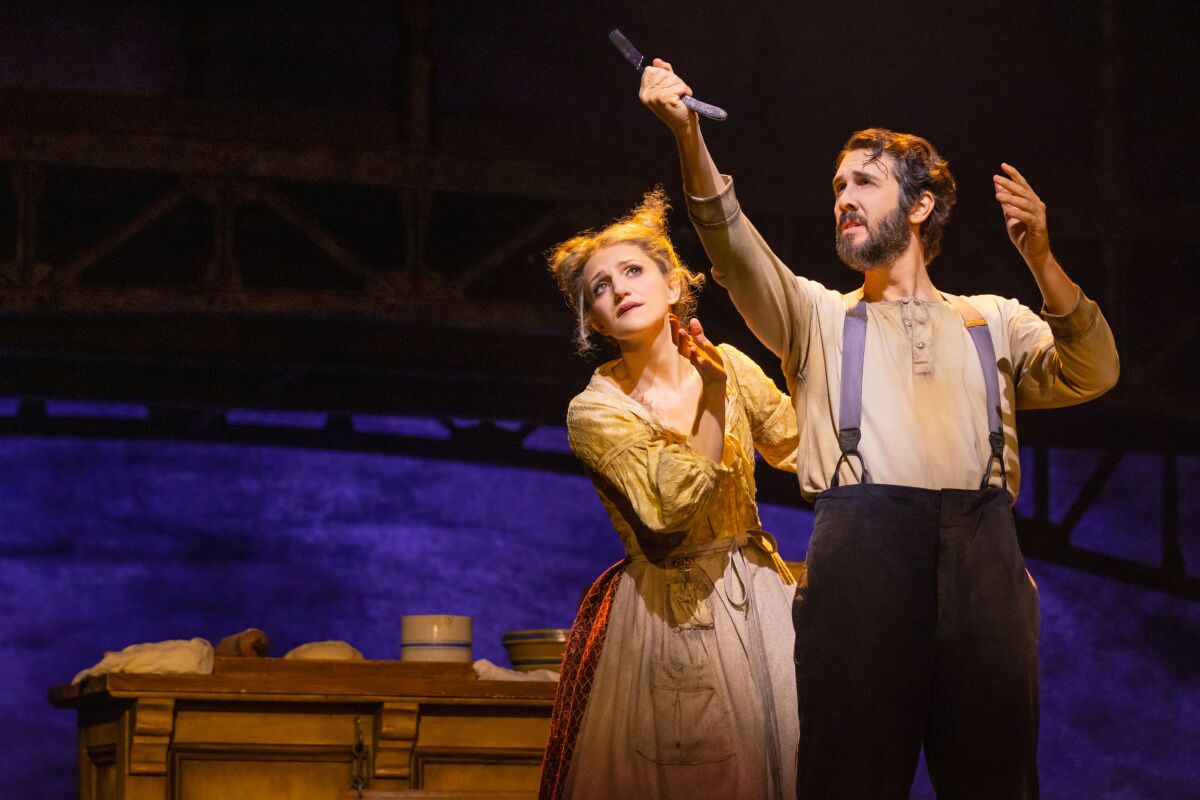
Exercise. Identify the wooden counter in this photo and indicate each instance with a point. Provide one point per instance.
(268, 728)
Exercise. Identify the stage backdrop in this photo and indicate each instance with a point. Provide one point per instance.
(106, 543)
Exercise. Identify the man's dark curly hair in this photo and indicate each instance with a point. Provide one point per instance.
(919, 168)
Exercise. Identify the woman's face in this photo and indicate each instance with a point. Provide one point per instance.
(627, 291)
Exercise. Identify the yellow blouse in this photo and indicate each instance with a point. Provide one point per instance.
(657, 490)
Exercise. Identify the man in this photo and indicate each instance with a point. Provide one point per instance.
(919, 624)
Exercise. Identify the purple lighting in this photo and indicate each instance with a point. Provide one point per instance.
(107, 543)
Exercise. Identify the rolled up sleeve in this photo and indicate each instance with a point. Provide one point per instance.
(1062, 359)
(665, 482)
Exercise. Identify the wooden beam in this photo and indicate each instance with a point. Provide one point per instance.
(163, 204)
(27, 182)
(1089, 492)
(495, 257)
(392, 166)
(424, 303)
(415, 21)
(318, 234)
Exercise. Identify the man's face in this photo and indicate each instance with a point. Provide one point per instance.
(872, 228)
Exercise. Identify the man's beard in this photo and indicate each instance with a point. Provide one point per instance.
(882, 247)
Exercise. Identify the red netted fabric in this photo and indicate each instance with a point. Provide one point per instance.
(580, 660)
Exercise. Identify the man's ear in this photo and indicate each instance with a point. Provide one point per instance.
(921, 208)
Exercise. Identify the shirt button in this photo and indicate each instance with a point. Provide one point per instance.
(920, 345)
(908, 322)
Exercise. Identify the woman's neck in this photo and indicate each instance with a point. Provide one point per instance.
(652, 361)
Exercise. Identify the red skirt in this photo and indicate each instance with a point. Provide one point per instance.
(580, 660)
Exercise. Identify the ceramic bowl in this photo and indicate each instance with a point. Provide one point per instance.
(536, 648)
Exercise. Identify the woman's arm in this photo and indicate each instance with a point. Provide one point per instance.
(659, 476)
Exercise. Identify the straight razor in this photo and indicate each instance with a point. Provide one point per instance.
(634, 57)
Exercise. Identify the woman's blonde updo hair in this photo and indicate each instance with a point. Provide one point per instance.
(644, 226)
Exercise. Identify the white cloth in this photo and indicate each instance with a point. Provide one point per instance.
(487, 671)
(174, 656)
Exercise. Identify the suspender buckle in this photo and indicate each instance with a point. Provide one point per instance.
(996, 439)
(848, 440)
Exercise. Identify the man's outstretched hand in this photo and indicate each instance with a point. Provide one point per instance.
(662, 92)
(1025, 220)
(1024, 216)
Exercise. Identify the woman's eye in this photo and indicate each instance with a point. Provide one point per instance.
(599, 288)
(634, 269)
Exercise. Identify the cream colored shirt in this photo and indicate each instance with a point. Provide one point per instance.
(652, 481)
(924, 417)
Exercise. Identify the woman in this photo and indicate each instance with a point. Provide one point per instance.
(678, 679)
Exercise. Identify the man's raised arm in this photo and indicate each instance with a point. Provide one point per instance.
(662, 92)
(1081, 362)
(774, 302)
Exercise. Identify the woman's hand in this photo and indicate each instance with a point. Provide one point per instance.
(696, 348)
(708, 429)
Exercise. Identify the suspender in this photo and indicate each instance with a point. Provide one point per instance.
(977, 327)
(854, 342)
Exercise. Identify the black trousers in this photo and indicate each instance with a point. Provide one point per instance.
(918, 627)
